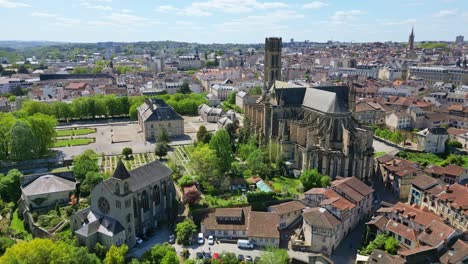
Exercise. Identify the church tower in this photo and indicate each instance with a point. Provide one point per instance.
(272, 68)
(411, 40)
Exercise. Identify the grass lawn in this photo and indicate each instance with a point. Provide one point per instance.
(18, 225)
(379, 154)
(431, 158)
(282, 183)
(75, 132)
(223, 200)
(72, 142)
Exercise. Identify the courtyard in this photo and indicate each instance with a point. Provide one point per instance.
(110, 138)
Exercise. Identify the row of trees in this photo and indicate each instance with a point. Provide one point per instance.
(25, 137)
(84, 107)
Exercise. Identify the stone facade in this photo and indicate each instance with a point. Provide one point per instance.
(313, 125)
(155, 115)
(127, 205)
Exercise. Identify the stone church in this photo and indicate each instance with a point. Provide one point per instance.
(313, 124)
(127, 205)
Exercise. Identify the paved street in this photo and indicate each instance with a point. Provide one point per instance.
(382, 147)
(345, 253)
(162, 235)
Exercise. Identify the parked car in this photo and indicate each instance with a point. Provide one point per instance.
(199, 255)
(211, 240)
(240, 257)
(248, 259)
(139, 240)
(243, 243)
(172, 239)
(207, 255)
(201, 239)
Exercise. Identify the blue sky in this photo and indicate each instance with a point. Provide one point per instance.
(232, 21)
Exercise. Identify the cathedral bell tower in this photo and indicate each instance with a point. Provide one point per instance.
(411, 40)
(272, 72)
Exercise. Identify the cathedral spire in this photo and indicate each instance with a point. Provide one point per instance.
(411, 40)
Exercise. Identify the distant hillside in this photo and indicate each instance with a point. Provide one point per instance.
(17, 44)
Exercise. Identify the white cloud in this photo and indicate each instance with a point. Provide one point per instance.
(12, 4)
(399, 23)
(343, 17)
(89, 5)
(207, 8)
(446, 13)
(257, 22)
(56, 19)
(314, 5)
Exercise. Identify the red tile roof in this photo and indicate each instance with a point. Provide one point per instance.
(402, 230)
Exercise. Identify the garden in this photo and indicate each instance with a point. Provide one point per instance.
(75, 132)
(109, 163)
(70, 142)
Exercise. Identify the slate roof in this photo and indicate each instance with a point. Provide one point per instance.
(121, 172)
(320, 217)
(147, 175)
(104, 225)
(324, 101)
(157, 110)
(48, 184)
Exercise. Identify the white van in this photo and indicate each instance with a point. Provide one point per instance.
(243, 243)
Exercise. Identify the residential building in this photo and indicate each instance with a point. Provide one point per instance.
(155, 116)
(288, 212)
(398, 120)
(189, 62)
(210, 114)
(260, 228)
(432, 140)
(334, 212)
(457, 253)
(369, 113)
(392, 91)
(125, 206)
(459, 40)
(449, 174)
(440, 74)
(222, 91)
(390, 74)
(243, 98)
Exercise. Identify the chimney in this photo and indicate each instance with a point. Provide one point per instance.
(428, 230)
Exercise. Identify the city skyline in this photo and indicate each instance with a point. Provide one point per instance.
(229, 21)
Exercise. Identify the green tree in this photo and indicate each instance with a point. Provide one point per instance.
(203, 135)
(391, 245)
(127, 152)
(43, 127)
(80, 70)
(164, 136)
(10, 186)
(92, 179)
(186, 180)
(185, 88)
(161, 253)
(7, 120)
(45, 251)
(221, 144)
(455, 159)
(23, 142)
(185, 230)
(133, 112)
(5, 242)
(84, 163)
(204, 162)
(23, 69)
(231, 98)
(11, 98)
(100, 250)
(228, 258)
(116, 254)
(313, 179)
(274, 256)
(378, 243)
(161, 149)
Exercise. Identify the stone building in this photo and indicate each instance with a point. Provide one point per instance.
(432, 140)
(127, 205)
(155, 115)
(313, 125)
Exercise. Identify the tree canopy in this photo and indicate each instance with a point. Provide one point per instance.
(221, 143)
(84, 163)
(116, 254)
(274, 256)
(45, 251)
(161, 254)
(185, 230)
(313, 179)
